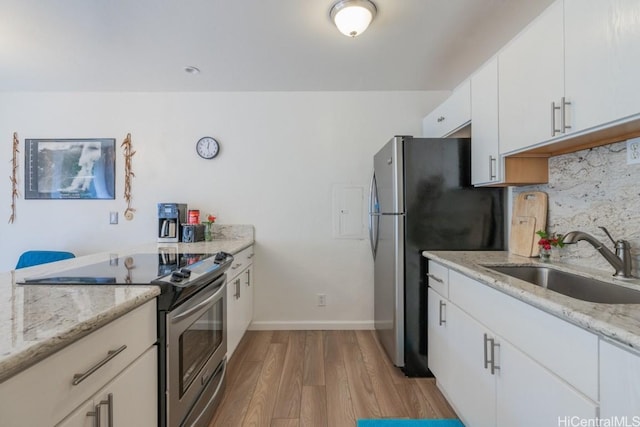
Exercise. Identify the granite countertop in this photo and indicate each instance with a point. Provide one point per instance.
(617, 322)
(38, 320)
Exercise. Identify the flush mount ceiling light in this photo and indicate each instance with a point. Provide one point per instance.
(352, 17)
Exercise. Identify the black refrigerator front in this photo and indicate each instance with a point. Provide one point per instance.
(422, 199)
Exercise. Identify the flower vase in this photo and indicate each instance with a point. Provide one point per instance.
(208, 229)
(545, 255)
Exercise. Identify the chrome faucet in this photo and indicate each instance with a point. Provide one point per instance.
(621, 260)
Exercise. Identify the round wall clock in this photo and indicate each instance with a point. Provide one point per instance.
(207, 147)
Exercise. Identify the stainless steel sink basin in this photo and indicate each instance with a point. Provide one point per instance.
(572, 285)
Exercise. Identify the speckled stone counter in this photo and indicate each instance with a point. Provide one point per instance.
(617, 322)
(38, 320)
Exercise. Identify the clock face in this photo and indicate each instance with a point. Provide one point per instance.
(207, 147)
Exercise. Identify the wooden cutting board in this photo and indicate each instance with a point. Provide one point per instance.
(523, 230)
(530, 204)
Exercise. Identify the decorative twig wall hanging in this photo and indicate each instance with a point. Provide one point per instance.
(14, 177)
(128, 175)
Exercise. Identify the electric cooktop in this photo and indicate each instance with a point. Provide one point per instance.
(134, 269)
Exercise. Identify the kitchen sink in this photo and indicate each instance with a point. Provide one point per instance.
(571, 285)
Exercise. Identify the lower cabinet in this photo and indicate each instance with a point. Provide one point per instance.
(619, 379)
(239, 299)
(114, 368)
(129, 400)
(487, 378)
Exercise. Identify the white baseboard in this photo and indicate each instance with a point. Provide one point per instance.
(319, 325)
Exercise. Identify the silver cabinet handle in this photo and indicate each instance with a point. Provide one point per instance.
(553, 118)
(486, 352)
(78, 378)
(250, 256)
(490, 345)
(563, 115)
(235, 267)
(494, 367)
(237, 284)
(434, 277)
(248, 277)
(492, 167)
(441, 320)
(109, 403)
(440, 119)
(95, 413)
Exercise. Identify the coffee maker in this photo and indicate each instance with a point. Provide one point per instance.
(170, 218)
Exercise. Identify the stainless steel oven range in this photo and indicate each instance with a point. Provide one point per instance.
(192, 324)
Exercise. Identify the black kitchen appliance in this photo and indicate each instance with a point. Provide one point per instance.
(192, 326)
(422, 199)
(171, 216)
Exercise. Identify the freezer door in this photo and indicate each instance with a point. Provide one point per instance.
(388, 170)
(389, 287)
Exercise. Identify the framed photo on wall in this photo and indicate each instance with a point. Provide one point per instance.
(70, 168)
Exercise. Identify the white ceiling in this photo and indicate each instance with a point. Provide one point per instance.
(248, 45)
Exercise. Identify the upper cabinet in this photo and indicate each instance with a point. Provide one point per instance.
(488, 167)
(568, 81)
(452, 115)
(485, 148)
(602, 60)
(531, 82)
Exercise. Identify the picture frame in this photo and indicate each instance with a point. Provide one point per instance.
(70, 168)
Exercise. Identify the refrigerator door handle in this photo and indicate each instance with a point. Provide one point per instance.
(373, 216)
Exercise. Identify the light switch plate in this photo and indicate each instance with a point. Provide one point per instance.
(633, 151)
(113, 217)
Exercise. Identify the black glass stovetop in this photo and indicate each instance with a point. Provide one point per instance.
(134, 269)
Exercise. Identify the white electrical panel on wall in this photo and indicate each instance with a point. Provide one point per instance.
(348, 211)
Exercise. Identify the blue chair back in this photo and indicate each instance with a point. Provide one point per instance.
(31, 258)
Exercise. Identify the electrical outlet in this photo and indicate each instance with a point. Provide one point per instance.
(633, 151)
(113, 217)
(322, 300)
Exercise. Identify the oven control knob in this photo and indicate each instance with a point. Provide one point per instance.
(186, 272)
(177, 276)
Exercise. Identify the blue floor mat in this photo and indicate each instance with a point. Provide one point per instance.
(409, 423)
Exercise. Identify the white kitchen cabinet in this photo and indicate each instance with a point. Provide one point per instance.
(602, 60)
(91, 363)
(438, 338)
(529, 395)
(485, 148)
(239, 298)
(130, 399)
(531, 78)
(619, 379)
(472, 387)
(501, 362)
(452, 115)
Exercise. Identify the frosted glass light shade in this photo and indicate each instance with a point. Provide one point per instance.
(352, 17)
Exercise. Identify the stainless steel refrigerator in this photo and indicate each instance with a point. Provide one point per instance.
(422, 199)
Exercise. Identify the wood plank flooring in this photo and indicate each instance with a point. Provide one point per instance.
(320, 379)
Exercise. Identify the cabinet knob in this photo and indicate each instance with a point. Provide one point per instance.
(440, 119)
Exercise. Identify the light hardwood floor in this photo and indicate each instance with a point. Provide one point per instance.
(320, 378)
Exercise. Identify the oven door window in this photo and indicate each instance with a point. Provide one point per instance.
(198, 342)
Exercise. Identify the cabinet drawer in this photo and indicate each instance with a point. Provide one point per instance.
(44, 394)
(241, 261)
(438, 276)
(565, 349)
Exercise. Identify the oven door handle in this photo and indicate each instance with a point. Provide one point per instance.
(178, 317)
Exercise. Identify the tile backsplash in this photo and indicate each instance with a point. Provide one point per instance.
(591, 188)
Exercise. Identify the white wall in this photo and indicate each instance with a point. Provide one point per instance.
(281, 154)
